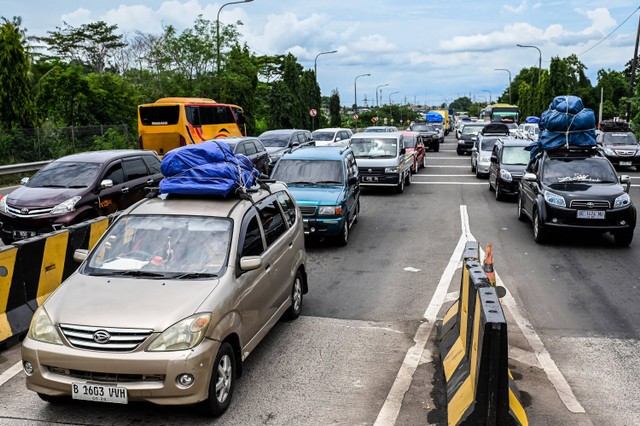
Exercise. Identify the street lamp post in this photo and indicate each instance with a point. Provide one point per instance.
(355, 90)
(218, 31)
(539, 57)
(489, 92)
(504, 69)
(315, 63)
(392, 93)
(382, 85)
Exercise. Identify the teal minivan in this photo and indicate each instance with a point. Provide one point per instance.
(324, 183)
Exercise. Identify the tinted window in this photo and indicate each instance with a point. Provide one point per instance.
(252, 244)
(240, 149)
(288, 207)
(153, 164)
(159, 115)
(115, 173)
(259, 146)
(62, 174)
(209, 114)
(584, 170)
(274, 140)
(410, 141)
(250, 148)
(323, 136)
(619, 139)
(135, 168)
(487, 144)
(515, 155)
(309, 172)
(272, 221)
(302, 138)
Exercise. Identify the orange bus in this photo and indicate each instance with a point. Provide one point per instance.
(172, 122)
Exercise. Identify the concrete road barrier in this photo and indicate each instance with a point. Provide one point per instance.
(31, 269)
(474, 351)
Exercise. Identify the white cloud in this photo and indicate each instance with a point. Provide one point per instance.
(519, 10)
(78, 17)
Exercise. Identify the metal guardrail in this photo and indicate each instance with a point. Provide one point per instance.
(23, 167)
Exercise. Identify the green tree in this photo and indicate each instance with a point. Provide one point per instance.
(335, 120)
(525, 102)
(285, 104)
(238, 83)
(17, 108)
(62, 97)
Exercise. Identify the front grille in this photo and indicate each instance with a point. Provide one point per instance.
(584, 204)
(26, 212)
(105, 377)
(120, 340)
(308, 210)
(625, 153)
(371, 170)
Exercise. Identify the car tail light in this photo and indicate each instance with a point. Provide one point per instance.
(183, 142)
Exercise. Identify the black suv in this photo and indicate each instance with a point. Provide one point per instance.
(576, 190)
(75, 188)
(618, 143)
(428, 134)
(507, 164)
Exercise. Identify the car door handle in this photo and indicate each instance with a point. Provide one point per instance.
(267, 267)
(150, 181)
(291, 244)
(124, 190)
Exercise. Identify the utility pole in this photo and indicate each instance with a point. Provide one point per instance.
(633, 73)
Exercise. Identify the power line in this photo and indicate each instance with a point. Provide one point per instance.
(614, 30)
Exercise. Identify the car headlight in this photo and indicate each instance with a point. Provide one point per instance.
(330, 210)
(3, 205)
(182, 335)
(42, 329)
(66, 206)
(621, 201)
(485, 159)
(505, 175)
(608, 151)
(554, 199)
(391, 170)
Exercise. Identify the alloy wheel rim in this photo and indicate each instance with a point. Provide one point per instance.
(297, 294)
(223, 382)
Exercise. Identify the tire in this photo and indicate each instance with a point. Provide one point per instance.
(343, 237)
(490, 187)
(539, 233)
(521, 215)
(408, 179)
(400, 187)
(623, 239)
(436, 148)
(499, 194)
(357, 213)
(473, 169)
(459, 152)
(424, 162)
(223, 380)
(297, 295)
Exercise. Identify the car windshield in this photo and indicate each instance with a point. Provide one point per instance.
(423, 128)
(375, 147)
(619, 139)
(471, 130)
(274, 140)
(375, 129)
(515, 155)
(410, 141)
(163, 246)
(487, 144)
(589, 170)
(62, 174)
(309, 172)
(323, 136)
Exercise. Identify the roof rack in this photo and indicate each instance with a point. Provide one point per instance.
(573, 151)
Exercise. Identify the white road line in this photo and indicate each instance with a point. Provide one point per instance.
(421, 176)
(448, 158)
(448, 183)
(12, 371)
(388, 414)
(441, 166)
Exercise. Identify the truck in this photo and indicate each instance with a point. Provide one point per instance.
(447, 120)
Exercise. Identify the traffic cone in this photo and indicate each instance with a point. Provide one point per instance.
(488, 265)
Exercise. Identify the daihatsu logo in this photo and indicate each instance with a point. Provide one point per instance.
(24, 211)
(101, 336)
(590, 205)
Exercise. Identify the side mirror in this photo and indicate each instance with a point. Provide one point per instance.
(24, 181)
(80, 255)
(250, 263)
(352, 180)
(106, 183)
(530, 177)
(626, 180)
(474, 149)
(403, 151)
(493, 158)
(295, 144)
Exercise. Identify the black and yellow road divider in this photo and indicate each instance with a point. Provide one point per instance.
(474, 351)
(31, 269)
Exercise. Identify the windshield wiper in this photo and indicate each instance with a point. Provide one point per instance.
(77, 186)
(301, 182)
(139, 273)
(335, 182)
(52, 186)
(192, 275)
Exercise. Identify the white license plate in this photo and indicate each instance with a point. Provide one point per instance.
(590, 214)
(23, 234)
(369, 178)
(625, 163)
(99, 393)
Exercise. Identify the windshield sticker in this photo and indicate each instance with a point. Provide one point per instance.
(578, 178)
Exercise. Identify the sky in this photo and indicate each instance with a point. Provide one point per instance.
(424, 52)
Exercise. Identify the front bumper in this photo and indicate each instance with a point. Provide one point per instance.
(622, 161)
(385, 179)
(464, 146)
(483, 167)
(147, 376)
(322, 227)
(511, 187)
(567, 218)
(15, 228)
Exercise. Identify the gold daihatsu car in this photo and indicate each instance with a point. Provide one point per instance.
(172, 299)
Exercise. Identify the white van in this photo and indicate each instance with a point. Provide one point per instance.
(382, 159)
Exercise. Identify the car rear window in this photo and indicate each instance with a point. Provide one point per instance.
(159, 115)
(619, 139)
(63, 174)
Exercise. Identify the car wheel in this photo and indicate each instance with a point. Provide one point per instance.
(499, 194)
(424, 161)
(490, 187)
(436, 148)
(623, 239)
(222, 382)
(400, 187)
(521, 216)
(356, 215)
(343, 236)
(297, 294)
(473, 168)
(539, 233)
(459, 151)
(409, 179)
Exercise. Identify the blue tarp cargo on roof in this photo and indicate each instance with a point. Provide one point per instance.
(434, 117)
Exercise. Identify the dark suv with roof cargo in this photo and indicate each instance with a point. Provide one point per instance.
(75, 188)
(618, 143)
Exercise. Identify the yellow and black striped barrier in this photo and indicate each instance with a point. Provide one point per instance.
(474, 351)
(31, 269)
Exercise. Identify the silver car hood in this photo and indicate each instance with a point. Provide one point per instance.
(127, 302)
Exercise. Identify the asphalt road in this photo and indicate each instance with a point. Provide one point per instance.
(575, 299)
